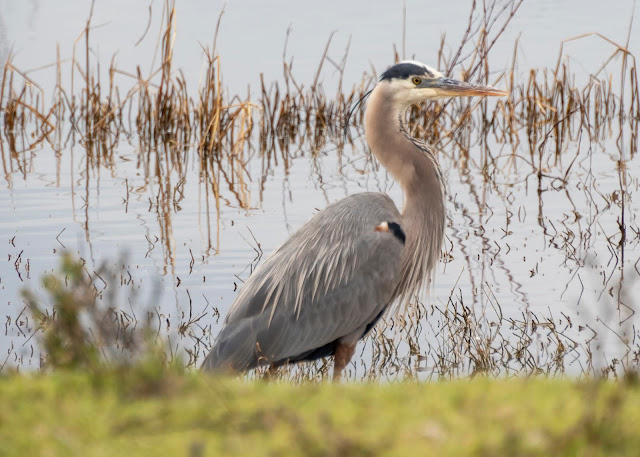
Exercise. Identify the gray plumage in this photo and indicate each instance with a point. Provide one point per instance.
(315, 274)
(326, 287)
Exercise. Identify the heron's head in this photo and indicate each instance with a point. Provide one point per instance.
(414, 82)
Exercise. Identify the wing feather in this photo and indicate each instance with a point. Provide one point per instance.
(328, 281)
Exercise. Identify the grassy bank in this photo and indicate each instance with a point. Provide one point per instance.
(75, 414)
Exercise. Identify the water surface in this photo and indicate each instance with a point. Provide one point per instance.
(549, 250)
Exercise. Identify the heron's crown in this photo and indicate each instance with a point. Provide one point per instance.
(408, 68)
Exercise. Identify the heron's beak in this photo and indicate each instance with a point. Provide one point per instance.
(453, 88)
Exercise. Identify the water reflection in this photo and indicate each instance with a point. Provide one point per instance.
(542, 225)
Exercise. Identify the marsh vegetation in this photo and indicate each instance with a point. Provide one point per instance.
(540, 267)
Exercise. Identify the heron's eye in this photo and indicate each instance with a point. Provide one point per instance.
(416, 80)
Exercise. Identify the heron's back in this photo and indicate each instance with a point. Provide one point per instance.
(328, 281)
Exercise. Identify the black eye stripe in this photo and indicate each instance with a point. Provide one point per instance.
(404, 71)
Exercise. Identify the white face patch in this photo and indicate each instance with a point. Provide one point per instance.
(405, 93)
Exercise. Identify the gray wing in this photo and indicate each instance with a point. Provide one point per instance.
(329, 281)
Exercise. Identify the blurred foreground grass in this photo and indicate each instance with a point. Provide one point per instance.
(72, 413)
(107, 388)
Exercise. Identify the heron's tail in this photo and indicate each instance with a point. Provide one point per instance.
(233, 352)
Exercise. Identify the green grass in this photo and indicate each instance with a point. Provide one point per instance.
(66, 413)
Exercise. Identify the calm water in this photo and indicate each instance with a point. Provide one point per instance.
(544, 252)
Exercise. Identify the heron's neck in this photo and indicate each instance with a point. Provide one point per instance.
(415, 169)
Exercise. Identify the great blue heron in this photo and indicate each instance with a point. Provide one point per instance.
(331, 281)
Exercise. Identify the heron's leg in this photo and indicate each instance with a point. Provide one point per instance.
(344, 352)
(270, 373)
